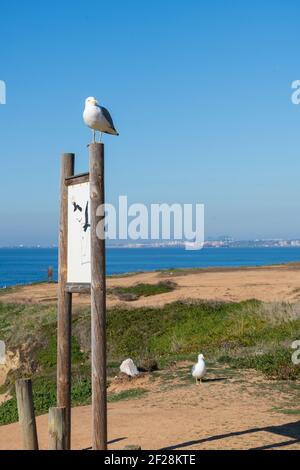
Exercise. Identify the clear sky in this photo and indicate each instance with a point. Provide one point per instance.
(200, 92)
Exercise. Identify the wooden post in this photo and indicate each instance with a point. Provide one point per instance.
(133, 447)
(57, 429)
(98, 304)
(64, 309)
(26, 414)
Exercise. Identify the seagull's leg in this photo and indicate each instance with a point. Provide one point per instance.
(94, 133)
(101, 137)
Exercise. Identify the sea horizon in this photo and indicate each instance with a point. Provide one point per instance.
(27, 265)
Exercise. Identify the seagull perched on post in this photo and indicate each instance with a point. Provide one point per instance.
(199, 369)
(98, 118)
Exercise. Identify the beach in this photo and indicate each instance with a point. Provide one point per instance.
(267, 283)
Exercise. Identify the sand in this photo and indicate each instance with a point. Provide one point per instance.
(222, 413)
(239, 412)
(273, 283)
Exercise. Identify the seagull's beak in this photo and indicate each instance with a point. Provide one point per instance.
(93, 102)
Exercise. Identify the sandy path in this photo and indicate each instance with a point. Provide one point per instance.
(274, 283)
(234, 414)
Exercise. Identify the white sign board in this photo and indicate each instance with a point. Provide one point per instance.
(79, 234)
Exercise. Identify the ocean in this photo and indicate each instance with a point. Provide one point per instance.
(27, 265)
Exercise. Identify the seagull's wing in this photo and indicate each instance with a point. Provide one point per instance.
(108, 117)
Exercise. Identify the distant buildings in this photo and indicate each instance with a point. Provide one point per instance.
(219, 243)
(226, 242)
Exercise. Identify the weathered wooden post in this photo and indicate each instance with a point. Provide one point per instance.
(26, 414)
(83, 194)
(64, 310)
(98, 302)
(57, 429)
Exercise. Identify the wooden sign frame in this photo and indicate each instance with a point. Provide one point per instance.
(97, 289)
(76, 287)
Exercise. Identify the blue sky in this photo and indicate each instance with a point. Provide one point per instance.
(200, 92)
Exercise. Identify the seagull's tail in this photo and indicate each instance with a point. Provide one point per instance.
(112, 131)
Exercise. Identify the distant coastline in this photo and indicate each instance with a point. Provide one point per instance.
(210, 243)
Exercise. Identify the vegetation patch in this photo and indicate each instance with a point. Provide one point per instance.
(288, 411)
(247, 334)
(44, 396)
(127, 394)
(276, 364)
(47, 357)
(132, 293)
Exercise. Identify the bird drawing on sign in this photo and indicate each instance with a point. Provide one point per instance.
(97, 118)
(77, 207)
(199, 369)
(86, 215)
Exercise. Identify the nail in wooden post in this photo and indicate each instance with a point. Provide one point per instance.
(98, 306)
(57, 428)
(64, 309)
(26, 414)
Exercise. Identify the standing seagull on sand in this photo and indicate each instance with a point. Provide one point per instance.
(98, 118)
(199, 369)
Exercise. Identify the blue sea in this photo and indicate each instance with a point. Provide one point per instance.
(27, 265)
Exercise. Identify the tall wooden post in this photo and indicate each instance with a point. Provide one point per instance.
(64, 310)
(26, 414)
(98, 303)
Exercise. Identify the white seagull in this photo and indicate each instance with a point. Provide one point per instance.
(98, 118)
(199, 369)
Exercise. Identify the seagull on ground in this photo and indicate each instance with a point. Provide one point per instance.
(98, 118)
(199, 369)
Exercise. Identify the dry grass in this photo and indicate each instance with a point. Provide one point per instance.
(278, 312)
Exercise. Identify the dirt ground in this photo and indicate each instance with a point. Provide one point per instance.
(230, 410)
(272, 283)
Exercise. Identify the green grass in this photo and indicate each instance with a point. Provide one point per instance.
(142, 290)
(288, 411)
(240, 334)
(47, 356)
(21, 322)
(44, 396)
(184, 329)
(178, 330)
(8, 412)
(127, 394)
(276, 364)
